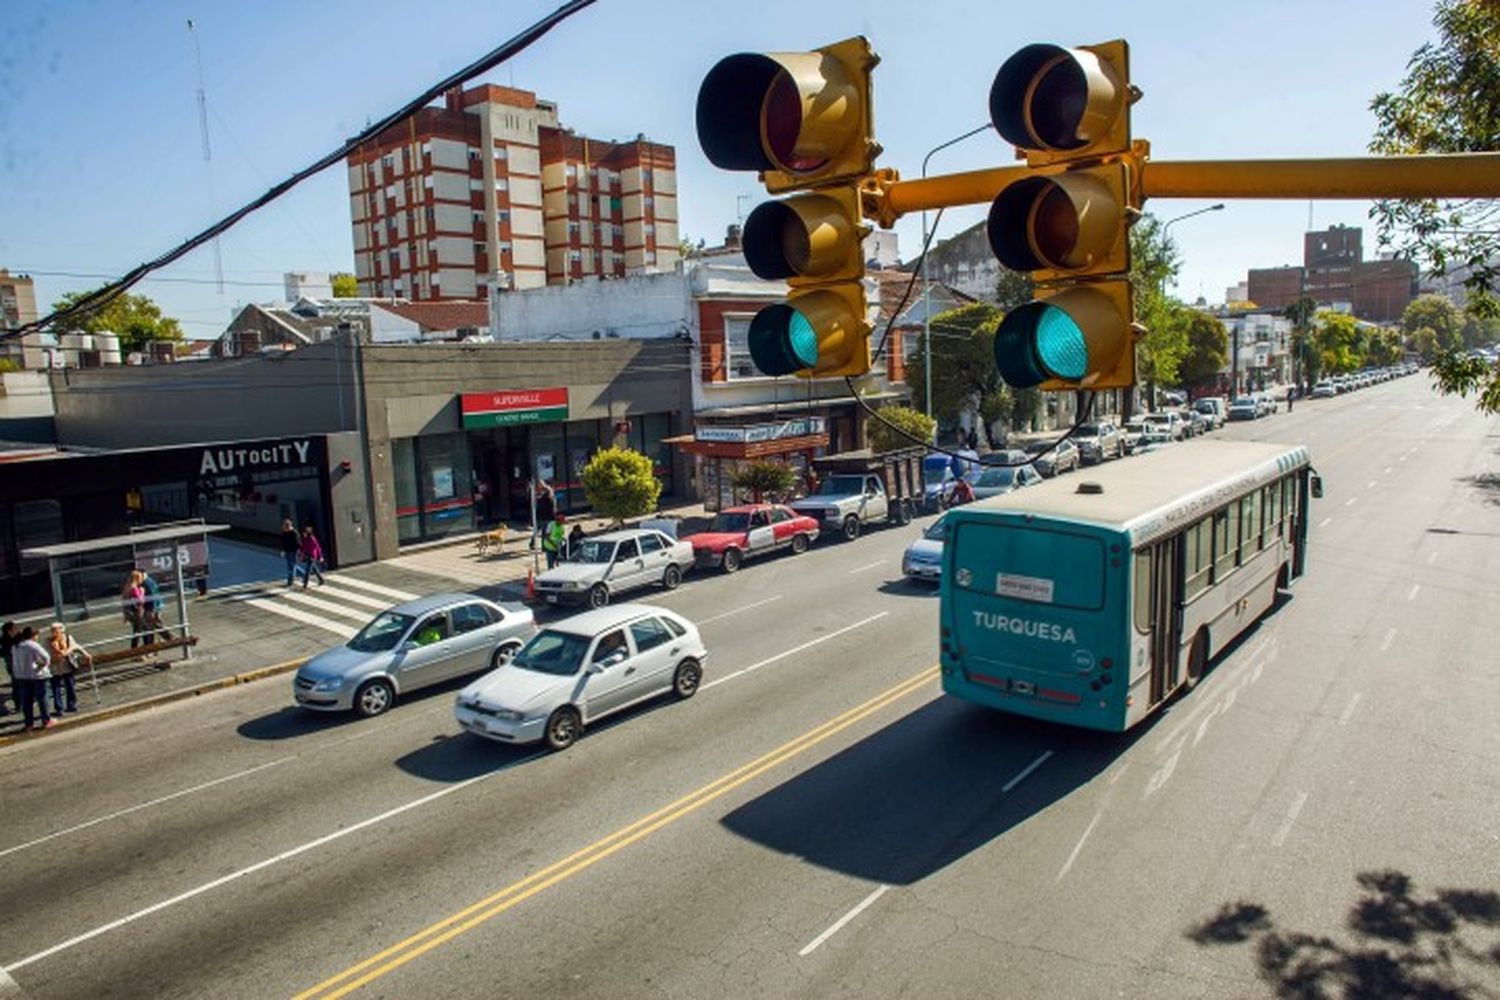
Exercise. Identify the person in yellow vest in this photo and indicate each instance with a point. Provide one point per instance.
(554, 538)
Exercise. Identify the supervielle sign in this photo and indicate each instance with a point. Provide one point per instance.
(513, 406)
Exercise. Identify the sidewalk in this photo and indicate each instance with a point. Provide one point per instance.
(254, 630)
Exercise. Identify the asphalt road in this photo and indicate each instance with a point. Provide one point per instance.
(819, 821)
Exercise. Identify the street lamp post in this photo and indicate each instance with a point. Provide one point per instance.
(926, 288)
(1217, 207)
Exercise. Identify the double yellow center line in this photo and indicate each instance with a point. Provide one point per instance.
(491, 906)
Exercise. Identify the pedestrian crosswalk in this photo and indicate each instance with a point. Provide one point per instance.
(342, 605)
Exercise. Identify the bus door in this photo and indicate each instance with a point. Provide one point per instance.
(1298, 499)
(1166, 616)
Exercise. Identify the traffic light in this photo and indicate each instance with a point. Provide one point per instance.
(1067, 222)
(804, 121)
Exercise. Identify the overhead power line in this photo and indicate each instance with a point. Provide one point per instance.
(108, 293)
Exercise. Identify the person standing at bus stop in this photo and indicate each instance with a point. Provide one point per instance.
(132, 608)
(291, 544)
(33, 672)
(67, 656)
(151, 610)
(8, 639)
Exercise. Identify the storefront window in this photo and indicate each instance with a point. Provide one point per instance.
(651, 429)
(582, 438)
(408, 504)
(446, 483)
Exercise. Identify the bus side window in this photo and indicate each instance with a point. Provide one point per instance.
(1273, 509)
(1197, 558)
(1143, 590)
(1250, 523)
(1226, 541)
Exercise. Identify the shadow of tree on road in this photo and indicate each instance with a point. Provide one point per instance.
(1486, 484)
(1405, 945)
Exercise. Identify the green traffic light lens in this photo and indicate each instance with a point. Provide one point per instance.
(1037, 342)
(782, 341)
(1060, 344)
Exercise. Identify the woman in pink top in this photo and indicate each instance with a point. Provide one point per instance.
(132, 607)
(312, 557)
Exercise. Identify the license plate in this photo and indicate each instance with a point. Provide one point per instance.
(551, 598)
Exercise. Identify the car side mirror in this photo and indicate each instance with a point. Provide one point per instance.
(409, 645)
(1317, 487)
(594, 668)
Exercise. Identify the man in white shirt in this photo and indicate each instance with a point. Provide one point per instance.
(33, 671)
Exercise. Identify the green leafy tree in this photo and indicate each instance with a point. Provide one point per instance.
(915, 424)
(1383, 348)
(1481, 321)
(1435, 313)
(135, 318)
(964, 376)
(1208, 348)
(1465, 375)
(1013, 289)
(1337, 339)
(1448, 102)
(345, 286)
(1307, 364)
(765, 478)
(620, 484)
(9, 365)
(1424, 342)
(1153, 262)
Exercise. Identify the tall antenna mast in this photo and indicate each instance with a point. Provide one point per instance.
(208, 155)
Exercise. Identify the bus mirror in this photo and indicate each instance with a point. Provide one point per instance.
(1317, 487)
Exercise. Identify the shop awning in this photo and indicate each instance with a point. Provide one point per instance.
(690, 445)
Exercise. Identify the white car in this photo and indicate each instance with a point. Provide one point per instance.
(609, 564)
(583, 668)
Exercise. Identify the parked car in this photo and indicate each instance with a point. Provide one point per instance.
(998, 479)
(619, 561)
(582, 669)
(739, 533)
(1194, 423)
(1171, 421)
(410, 646)
(1054, 458)
(1132, 433)
(1244, 408)
(1323, 390)
(1173, 397)
(1267, 403)
(1099, 441)
(1212, 407)
(923, 559)
(941, 473)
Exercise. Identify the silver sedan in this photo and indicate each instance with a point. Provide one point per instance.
(610, 564)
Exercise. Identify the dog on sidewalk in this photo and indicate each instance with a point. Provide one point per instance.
(488, 540)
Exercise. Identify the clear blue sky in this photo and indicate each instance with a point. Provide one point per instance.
(101, 164)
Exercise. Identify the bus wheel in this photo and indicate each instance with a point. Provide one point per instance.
(1197, 660)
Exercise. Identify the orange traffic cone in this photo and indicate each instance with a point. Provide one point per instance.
(531, 585)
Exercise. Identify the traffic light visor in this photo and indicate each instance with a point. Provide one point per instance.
(1067, 222)
(782, 340)
(809, 236)
(1038, 342)
(790, 111)
(1046, 97)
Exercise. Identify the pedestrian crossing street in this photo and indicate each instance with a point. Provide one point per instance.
(343, 605)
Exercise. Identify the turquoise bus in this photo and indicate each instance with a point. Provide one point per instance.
(1090, 600)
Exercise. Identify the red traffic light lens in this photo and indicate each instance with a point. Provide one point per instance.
(781, 125)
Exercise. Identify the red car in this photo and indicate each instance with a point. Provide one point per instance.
(740, 532)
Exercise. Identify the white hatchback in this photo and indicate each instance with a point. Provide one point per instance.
(582, 669)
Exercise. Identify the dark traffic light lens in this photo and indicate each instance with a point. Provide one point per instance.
(775, 241)
(782, 341)
(1037, 342)
(1057, 104)
(1054, 226)
(781, 124)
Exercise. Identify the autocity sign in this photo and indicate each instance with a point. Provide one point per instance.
(513, 406)
(760, 432)
(234, 458)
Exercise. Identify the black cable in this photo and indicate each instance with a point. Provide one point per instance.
(106, 294)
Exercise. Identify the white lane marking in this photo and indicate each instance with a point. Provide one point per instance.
(8, 988)
(327, 607)
(145, 805)
(347, 631)
(1386, 642)
(234, 876)
(1325, 522)
(1013, 782)
(1348, 712)
(1401, 459)
(1162, 776)
(1119, 773)
(1412, 594)
(1387, 471)
(374, 588)
(374, 603)
(841, 922)
(1203, 726)
(793, 651)
(1078, 847)
(1370, 485)
(1432, 557)
(861, 569)
(1291, 817)
(1350, 501)
(738, 610)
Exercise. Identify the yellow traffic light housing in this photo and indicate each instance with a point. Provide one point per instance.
(1066, 224)
(802, 119)
(1074, 337)
(818, 331)
(1058, 104)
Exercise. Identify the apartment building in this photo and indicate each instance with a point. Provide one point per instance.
(1335, 274)
(490, 191)
(17, 300)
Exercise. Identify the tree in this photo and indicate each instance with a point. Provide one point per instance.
(345, 285)
(1153, 262)
(964, 376)
(1306, 366)
(916, 424)
(1448, 102)
(1437, 314)
(765, 478)
(1424, 342)
(1337, 339)
(1383, 348)
(1208, 348)
(620, 484)
(1013, 289)
(135, 318)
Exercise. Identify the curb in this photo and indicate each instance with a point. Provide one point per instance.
(166, 698)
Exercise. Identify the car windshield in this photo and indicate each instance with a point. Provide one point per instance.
(932, 475)
(1038, 447)
(1087, 431)
(1135, 426)
(381, 634)
(727, 522)
(996, 477)
(839, 486)
(1203, 406)
(1242, 401)
(1159, 418)
(553, 652)
(935, 529)
(595, 552)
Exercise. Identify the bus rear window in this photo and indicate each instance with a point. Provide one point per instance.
(1030, 564)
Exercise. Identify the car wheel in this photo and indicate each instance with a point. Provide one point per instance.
(685, 682)
(799, 544)
(851, 528)
(563, 728)
(732, 560)
(672, 577)
(598, 595)
(504, 654)
(374, 698)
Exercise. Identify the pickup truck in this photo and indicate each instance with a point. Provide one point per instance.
(858, 488)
